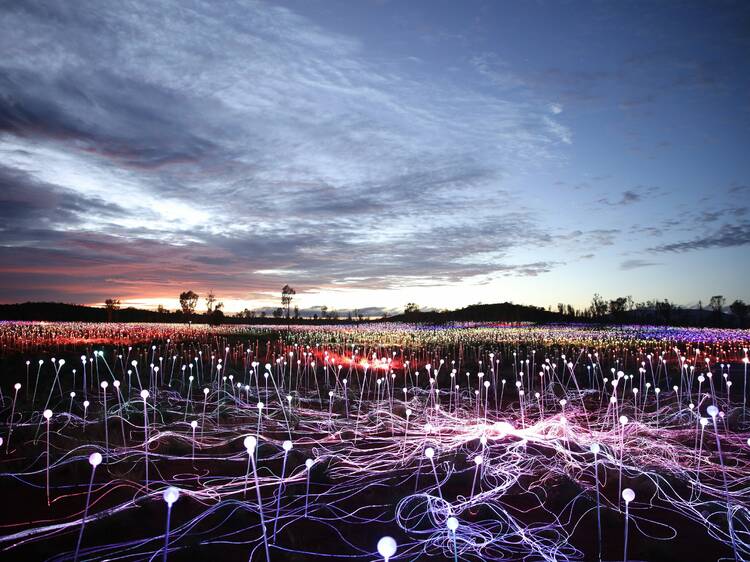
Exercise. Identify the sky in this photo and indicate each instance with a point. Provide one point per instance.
(374, 153)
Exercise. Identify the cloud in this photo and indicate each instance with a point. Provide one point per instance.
(222, 143)
(631, 196)
(727, 236)
(628, 265)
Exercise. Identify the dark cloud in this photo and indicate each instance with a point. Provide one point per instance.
(628, 265)
(727, 236)
(631, 196)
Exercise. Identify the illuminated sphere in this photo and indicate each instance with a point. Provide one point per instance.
(170, 495)
(712, 411)
(387, 547)
(595, 448)
(47, 414)
(623, 420)
(287, 445)
(144, 394)
(104, 384)
(452, 524)
(250, 442)
(429, 452)
(628, 495)
(86, 403)
(193, 424)
(17, 386)
(95, 459)
(309, 463)
(478, 460)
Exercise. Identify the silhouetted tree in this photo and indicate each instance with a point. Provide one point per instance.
(717, 306)
(598, 306)
(740, 310)
(324, 312)
(188, 302)
(161, 310)
(287, 294)
(664, 310)
(210, 300)
(617, 307)
(111, 305)
(296, 313)
(278, 312)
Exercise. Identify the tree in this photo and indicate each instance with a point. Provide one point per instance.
(664, 310)
(411, 309)
(210, 300)
(571, 310)
(296, 313)
(161, 310)
(278, 312)
(287, 294)
(217, 315)
(740, 310)
(111, 305)
(188, 302)
(560, 308)
(617, 307)
(717, 305)
(598, 306)
(324, 312)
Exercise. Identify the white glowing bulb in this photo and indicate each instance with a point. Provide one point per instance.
(170, 495)
(387, 547)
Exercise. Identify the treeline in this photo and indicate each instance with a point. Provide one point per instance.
(621, 310)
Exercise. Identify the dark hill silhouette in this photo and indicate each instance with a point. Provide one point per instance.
(498, 312)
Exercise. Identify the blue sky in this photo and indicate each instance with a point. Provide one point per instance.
(374, 153)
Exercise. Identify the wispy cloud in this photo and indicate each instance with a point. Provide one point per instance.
(628, 265)
(230, 142)
(727, 236)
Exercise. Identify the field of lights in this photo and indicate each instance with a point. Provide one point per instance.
(373, 442)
